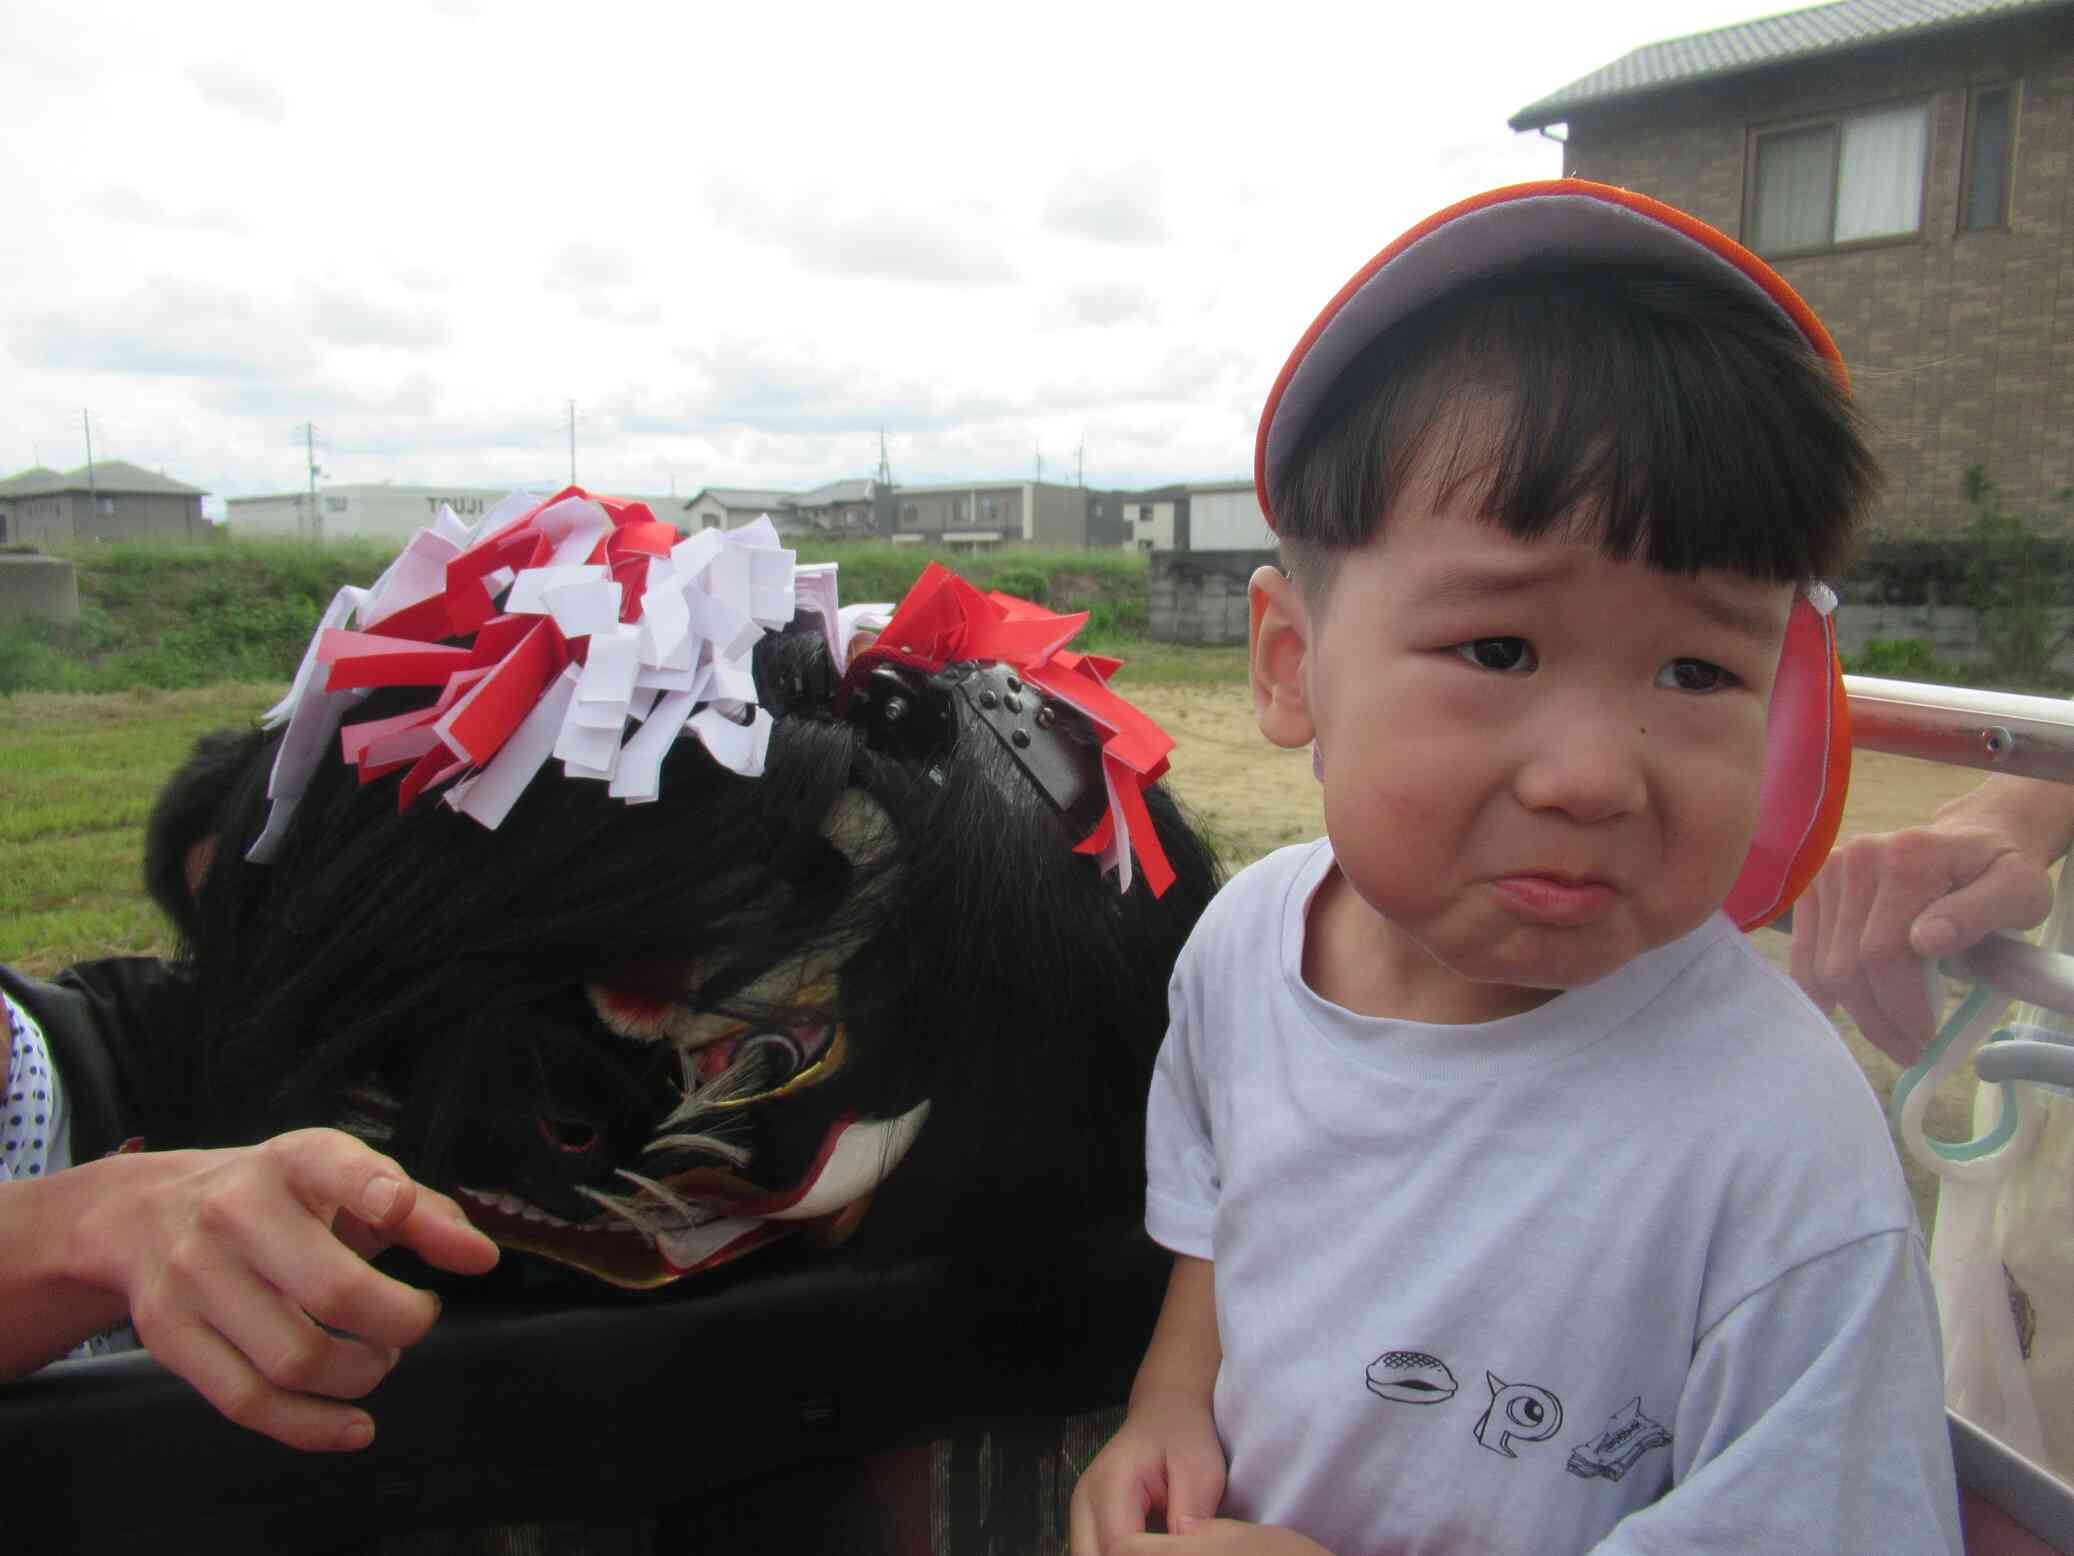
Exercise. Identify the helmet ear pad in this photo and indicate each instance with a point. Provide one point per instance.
(1807, 770)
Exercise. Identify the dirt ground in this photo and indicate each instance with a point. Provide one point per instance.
(1253, 798)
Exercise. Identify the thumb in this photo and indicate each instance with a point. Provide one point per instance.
(2010, 893)
(1193, 1493)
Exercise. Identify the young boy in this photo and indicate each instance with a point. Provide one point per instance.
(1517, 1204)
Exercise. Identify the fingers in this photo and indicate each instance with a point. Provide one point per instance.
(227, 1376)
(1109, 1503)
(2009, 893)
(1195, 1487)
(1877, 975)
(439, 1232)
(1885, 902)
(281, 1218)
(1115, 1501)
(1851, 940)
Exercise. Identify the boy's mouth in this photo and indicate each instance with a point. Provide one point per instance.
(1564, 901)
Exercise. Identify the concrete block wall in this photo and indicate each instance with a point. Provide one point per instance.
(1200, 596)
(42, 586)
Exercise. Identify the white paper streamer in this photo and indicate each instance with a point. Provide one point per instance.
(682, 668)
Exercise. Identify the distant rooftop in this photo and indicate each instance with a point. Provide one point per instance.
(859, 490)
(741, 497)
(1774, 40)
(114, 476)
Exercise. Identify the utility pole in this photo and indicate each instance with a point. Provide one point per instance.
(308, 430)
(93, 491)
(883, 513)
(572, 442)
(1080, 464)
(1040, 464)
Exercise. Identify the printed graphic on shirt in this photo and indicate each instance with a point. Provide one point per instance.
(1519, 1413)
(1611, 1454)
(1411, 1378)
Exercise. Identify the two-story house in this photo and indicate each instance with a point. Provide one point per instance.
(1908, 165)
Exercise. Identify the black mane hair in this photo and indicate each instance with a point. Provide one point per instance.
(1676, 423)
(984, 965)
(185, 818)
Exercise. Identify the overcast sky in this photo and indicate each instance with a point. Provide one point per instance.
(741, 238)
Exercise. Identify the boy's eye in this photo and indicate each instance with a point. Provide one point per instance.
(1694, 675)
(1501, 654)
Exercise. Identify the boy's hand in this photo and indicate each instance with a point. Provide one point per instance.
(1166, 1459)
(1218, 1537)
(229, 1262)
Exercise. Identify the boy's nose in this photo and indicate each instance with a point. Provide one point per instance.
(1587, 763)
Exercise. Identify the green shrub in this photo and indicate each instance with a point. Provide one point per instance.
(1906, 659)
(2012, 585)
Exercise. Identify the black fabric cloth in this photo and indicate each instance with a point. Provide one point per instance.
(121, 1035)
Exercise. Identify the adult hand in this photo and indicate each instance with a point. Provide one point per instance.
(244, 1272)
(1887, 904)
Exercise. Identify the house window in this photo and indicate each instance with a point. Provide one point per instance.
(907, 513)
(1990, 117)
(104, 505)
(1851, 179)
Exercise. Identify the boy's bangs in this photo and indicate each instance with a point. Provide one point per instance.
(1674, 423)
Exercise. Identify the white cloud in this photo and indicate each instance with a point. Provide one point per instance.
(1121, 205)
(241, 91)
(742, 240)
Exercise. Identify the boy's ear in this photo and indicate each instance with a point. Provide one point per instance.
(1279, 644)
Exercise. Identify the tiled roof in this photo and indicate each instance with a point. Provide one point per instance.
(31, 482)
(1774, 40)
(108, 475)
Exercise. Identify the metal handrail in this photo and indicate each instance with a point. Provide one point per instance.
(2001, 732)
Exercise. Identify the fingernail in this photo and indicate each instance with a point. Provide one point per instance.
(1934, 937)
(357, 1435)
(438, 1305)
(379, 1197)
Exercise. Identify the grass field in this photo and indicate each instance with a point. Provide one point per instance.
(78, 774)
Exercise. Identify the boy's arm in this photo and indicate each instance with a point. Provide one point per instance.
(1166, 1456)
(1813, 1418)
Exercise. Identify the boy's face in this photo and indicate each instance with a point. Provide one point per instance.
(1538, 762)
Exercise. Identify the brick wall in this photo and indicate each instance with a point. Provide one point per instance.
(1961, 345)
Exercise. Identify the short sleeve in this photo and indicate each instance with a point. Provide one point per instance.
(1180, 1151)
(1813, 1418)
(34, 1133)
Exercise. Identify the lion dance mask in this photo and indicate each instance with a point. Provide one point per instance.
(587, 871)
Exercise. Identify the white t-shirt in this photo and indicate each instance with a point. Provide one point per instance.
(1642, 1257)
